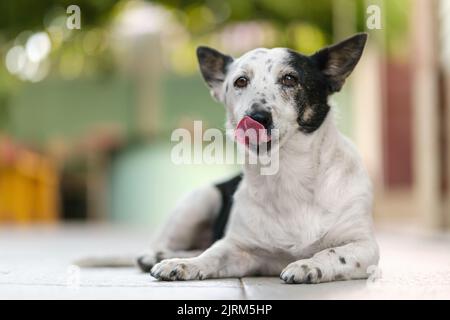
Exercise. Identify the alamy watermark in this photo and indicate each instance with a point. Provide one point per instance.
(74, 19)
(212, 147)
(373, 21)
(73, 276)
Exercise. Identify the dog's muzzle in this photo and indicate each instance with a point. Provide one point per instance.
(254, 128)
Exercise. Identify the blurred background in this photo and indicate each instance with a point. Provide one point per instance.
(86, 114)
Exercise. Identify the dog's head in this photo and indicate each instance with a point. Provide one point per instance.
(279, 88)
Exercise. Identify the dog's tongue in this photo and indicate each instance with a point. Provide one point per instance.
(248, 129)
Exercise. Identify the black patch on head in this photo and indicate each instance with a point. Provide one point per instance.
(342, 260)
(227, 190)
(213, 65)
(319, 76)
(263, 101)
(310, 95)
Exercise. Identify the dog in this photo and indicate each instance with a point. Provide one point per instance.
(311, 221)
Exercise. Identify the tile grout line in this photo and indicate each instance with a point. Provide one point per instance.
(244, 293)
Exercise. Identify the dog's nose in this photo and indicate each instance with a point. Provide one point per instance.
(263, 117)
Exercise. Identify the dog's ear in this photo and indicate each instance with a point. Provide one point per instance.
(213, 66)
(337, 61)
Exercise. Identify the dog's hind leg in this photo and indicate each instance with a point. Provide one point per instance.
(187, 229)
(197, 221)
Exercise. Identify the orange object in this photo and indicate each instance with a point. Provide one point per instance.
(28, 186)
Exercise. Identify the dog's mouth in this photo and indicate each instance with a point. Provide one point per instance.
(251, 132)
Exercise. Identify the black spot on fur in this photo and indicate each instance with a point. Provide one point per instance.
(263, 101)
(332, 251)
(173, 273)
(339, 277)
(342, 260)
(319, 273)
(227, 190)
(358, 265)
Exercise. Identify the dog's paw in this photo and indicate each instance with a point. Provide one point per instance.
(302, 271)
(177, 269)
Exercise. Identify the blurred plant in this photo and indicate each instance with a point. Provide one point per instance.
(34, 42)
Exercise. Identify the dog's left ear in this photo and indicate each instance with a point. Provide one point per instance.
(339, 60)
(213, 66)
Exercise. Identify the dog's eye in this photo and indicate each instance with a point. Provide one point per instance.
(241, 82)
(289, 80)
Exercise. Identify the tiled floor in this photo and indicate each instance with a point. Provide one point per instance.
(36, 263)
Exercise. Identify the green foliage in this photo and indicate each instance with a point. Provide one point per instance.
(19, 15)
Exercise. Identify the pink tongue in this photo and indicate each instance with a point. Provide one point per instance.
(249, 129)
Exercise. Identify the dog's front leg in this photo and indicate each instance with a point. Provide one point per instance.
(223, 259)
(347, 262)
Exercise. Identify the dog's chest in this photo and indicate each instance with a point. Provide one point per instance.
(280, 217)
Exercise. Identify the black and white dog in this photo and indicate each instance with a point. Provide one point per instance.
(309, 222)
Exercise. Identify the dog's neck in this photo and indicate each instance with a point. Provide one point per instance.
(299, 158)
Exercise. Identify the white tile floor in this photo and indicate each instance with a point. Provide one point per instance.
(35, 263)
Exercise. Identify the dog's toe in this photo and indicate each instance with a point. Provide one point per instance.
(302, 272)
(176, 269)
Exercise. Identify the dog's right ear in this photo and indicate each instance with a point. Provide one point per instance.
(213, 66)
